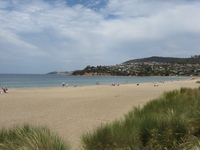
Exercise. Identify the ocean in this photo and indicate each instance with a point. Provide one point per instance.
(22, 81)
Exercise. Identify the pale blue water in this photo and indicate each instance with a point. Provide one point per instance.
(14, 81)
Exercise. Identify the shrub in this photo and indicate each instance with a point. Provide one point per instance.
(27, 137)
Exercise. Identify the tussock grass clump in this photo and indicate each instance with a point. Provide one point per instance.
(27, 137)
(170, 122)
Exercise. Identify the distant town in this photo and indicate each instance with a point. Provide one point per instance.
(152, 66)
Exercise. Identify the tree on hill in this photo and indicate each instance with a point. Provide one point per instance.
(193, 60)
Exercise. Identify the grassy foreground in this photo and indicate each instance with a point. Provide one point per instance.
(27, 137)
(171, 122)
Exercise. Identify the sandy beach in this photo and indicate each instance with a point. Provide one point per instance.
(72, 111)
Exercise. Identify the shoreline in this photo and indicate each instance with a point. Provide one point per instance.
(71, 112)
(173, 77)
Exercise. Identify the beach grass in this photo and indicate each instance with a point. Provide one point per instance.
(28, 137)
(169, 122)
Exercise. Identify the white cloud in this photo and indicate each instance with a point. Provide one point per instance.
(71, 37)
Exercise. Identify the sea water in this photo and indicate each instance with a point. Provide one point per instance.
(15, 81)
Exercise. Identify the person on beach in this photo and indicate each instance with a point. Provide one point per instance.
(5, 90)
(63, 84)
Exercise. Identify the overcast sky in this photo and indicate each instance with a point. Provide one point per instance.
(40, 36)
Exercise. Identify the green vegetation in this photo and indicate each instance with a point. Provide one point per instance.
(192, 60)
(198, 82)
(170, 122)
(27, 137)
(100, 71)
(152, 66)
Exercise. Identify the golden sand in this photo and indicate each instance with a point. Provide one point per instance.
(72, 111)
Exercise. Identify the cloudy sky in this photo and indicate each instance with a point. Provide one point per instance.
(40, 36)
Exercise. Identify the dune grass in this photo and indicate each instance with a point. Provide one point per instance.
(28, 137)
(170, 122)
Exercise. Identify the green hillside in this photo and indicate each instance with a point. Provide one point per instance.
(192, 60)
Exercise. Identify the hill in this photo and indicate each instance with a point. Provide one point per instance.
(151, 66)
(192, 60)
